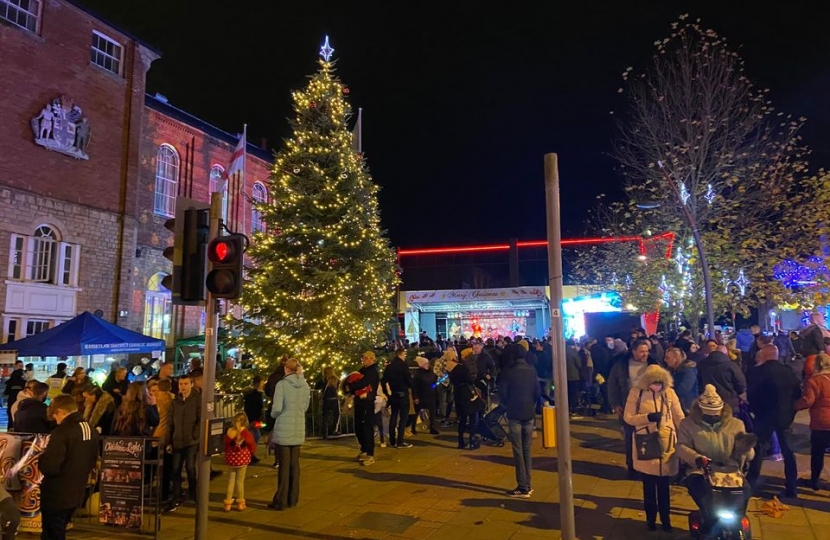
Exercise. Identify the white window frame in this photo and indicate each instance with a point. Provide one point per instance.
(62, 271)
(7, 6)
(256, 214)
(96, 53)
(167, 181)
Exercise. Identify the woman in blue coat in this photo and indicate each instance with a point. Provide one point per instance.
(291, 398)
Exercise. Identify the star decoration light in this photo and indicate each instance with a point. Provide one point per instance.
(710, 194)
(726, 281)
(326, 50)
(742, 282)
(614, 280)
(681, 259)
(628, 281)
(684, 193)
(664, 287)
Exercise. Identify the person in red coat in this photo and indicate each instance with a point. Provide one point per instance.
(240, 447)
(816, 398)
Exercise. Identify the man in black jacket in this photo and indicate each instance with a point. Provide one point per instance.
(66, 462)
(364, 389)
(397, 382)
(725, 375)
(185, 417)
(773, 391)
(519, 392)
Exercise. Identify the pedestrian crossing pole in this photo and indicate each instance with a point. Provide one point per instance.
(209, 381)
(557, 330)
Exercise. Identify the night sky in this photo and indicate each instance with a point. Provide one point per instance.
(461, 101)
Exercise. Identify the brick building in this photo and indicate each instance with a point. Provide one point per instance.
(90, 172)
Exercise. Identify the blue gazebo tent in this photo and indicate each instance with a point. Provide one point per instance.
(86, 334)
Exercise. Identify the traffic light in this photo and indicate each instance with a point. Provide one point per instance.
(194, 262)
(191, 229)
(225, 253)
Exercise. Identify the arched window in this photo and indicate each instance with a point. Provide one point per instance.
(167, 181)
(157, 308)
(259, 196)
(44, 254)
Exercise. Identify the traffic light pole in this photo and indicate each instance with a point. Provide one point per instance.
(209, 365)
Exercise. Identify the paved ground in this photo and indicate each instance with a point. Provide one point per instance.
(434, 491)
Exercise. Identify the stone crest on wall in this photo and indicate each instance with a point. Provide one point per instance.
(62, 127)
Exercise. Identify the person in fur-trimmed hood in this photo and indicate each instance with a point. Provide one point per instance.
(653, 407)
(711, 433)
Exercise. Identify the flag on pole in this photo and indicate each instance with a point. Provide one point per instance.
(357, 133)
(237, 163)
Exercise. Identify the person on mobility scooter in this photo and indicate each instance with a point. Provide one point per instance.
(717, 449)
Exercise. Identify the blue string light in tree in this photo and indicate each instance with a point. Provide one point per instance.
(742, 282)
(326, 50)
(710, 194)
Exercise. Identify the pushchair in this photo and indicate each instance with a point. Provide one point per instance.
(589, 402)
(492, 426)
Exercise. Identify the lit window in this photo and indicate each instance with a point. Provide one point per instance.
(22, 13)
(157, 308)
(259, 196)
(167, 181)
(106, 53)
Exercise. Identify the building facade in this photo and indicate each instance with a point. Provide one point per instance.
(91, 170)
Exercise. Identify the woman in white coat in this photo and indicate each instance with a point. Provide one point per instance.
(654, 408)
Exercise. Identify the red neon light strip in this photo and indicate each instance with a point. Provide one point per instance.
(529, 243)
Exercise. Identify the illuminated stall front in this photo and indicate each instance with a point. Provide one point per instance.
(481, 313)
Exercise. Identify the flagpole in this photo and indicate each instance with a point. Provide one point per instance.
(244, 174)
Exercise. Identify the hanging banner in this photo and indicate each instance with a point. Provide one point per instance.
(122, 489)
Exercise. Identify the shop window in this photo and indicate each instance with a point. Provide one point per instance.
(43, 258)
(167, 181)
(106, 53)
(22, 13)
(157, 308)
(259, 196)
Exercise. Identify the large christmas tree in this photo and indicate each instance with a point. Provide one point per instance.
(322, 274)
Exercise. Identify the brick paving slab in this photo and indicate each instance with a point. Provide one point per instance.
(434, 491)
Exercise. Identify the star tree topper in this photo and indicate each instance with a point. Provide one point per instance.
(326, 50)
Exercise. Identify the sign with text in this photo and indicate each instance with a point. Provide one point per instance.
(122, 489)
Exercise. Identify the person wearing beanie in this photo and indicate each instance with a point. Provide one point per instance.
(424, 389)
(711, 433)
(653, 407)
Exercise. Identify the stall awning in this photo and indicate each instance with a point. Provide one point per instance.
(507, 299)
(84, 335)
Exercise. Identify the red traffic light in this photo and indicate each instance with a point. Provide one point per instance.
(221, 251)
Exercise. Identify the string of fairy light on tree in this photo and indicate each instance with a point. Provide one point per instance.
(323, 276)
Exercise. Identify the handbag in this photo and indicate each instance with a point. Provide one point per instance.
(647, 445)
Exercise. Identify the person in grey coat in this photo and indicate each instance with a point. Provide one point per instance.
(291, 399)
